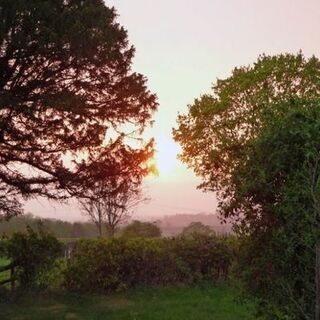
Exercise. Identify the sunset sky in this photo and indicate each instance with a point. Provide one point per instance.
(182, 47)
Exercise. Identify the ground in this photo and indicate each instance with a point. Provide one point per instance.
(202, 303)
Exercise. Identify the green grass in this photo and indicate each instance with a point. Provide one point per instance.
(214, 303)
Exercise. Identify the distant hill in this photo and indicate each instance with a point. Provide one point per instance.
(173, 224)
(170, 225)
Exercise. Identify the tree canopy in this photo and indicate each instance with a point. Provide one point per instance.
(255, 142)
(65, 82)
(216, 132)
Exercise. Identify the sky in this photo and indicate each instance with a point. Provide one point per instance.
(182, 47)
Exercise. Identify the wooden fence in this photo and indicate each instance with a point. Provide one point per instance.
(11, 266)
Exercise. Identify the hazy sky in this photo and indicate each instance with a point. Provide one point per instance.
(182, 47)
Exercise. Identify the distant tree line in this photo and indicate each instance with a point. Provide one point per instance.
(61, 229)
(66, 229)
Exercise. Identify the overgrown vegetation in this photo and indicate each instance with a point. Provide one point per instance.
(121, 263)
(151, 265)
(112, 264)
(285, 162)
(32, 254)
(255, 141)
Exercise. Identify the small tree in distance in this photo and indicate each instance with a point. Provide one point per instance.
(111, 208)
(110, 202)
(196, 228)
(141, 230)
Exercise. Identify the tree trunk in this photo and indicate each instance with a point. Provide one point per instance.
(112, 231)
(12, 275)
(100, 221)
(317, 315)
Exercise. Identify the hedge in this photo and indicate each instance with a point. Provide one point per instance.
(119, 263)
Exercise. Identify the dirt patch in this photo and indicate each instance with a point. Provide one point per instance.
(117, 303)
(72, 316)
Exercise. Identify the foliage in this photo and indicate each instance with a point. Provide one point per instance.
(195, 228)
(141, 229)
(256, 143)
(285, 161)
(215, 133)
(52, 277)
(65, 83)
(119, 263)
(32, 253)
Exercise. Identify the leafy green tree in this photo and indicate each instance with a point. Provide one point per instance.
(256, 143)
(195, 228)
(214, 135)
(280, 186)
(138, 229)
(65, 83)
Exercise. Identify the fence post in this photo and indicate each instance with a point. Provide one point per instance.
(12, 277)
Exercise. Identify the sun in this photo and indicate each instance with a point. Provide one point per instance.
(165, 157)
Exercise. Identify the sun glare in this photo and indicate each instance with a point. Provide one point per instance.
(166, 157)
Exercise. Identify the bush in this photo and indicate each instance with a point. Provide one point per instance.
(53, 276)
(32, 253)
(282, 281)
(119, 263)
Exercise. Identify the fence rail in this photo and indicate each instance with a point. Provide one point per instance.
(11, 266)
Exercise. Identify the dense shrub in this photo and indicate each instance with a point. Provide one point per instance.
(282, 281)
(32, 253)
(52, 277)
(118, 263)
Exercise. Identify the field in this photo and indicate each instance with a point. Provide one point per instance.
(203, 303)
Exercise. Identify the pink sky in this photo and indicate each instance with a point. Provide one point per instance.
(182, 47)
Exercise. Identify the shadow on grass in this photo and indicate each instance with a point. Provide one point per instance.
(204, 303)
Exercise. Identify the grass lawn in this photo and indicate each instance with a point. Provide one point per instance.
(215, 303)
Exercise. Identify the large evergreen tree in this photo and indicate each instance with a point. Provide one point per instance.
(65, 80)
